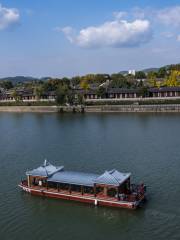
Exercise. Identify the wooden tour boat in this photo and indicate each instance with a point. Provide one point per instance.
(112, 188)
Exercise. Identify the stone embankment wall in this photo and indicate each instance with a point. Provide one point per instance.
(134, 108)
(28, 109)
(102, 108)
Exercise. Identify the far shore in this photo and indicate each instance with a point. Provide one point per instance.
(94, 109)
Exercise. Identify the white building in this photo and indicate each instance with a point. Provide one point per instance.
(132, 72)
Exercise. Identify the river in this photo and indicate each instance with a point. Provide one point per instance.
(147, 145)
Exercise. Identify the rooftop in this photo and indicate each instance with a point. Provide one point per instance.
(46, 170)
(112, 177)
(165, 89)
(59, 175)
(76, 178)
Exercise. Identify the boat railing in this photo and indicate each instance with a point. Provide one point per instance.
(24, 182)
(136, 192)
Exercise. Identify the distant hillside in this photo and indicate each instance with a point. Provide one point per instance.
(156, 69)
(23, 79)
(147, 70)
(123, 72)
(18, 79)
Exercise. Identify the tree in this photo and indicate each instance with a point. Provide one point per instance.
(140, 75)
(70, 96)
(101, 78)
(38, 91)
(61, 95)
(152, 79)
(80, 99)
(101, 92)
(175, 67)
(118, 81)
(16, 96)
(84, 84)
(144, 92)
(76, 80)
(161, 72)
(172, 79)
(6, 85)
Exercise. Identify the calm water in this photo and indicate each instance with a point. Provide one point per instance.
(145, 144)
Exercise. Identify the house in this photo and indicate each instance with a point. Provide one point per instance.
(164, 92)
(26, 95)
(122, 93)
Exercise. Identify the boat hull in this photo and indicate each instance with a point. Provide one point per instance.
(81, 198)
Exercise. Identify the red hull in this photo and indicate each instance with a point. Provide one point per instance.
(84, 199)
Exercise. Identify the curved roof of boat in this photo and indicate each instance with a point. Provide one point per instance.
(57, 174)
(46, 170)
(112, 177)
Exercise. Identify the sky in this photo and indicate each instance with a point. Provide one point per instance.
(74, 37)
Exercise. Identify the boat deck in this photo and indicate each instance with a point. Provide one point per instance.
(100, 196)
(73, 193)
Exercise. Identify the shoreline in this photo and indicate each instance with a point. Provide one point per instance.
(94, 109)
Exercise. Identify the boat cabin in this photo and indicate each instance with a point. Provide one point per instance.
(111, 183)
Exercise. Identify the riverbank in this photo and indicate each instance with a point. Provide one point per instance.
(134, 108)
(98, 108)
(28, 109)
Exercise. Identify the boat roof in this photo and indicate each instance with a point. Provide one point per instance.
(59, 175)
(76, 178)
(112, 177)
(46, 170)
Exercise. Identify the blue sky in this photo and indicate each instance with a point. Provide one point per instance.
(75, 37)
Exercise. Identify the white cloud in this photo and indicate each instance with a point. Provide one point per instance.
(68, 31)
(128, 29)
(140, 13)
(8, 17)
(169, 16)
(178, 38)
(117, 33)
(119, 15)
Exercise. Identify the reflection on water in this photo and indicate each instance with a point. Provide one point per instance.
(145, 144)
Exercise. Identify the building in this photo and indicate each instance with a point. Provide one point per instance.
(164, 92)
(122, 93)
(132, 72)
(26, 95)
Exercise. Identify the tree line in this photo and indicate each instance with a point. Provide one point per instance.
(64, 87)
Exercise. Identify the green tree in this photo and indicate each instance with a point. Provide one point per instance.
(144, 92)
(162, 72)
(140, 75)
(61, 95)
(101, 92)
(70, 96)
(16, 96)
(118, 81)
(76, 80)
(79, 99)
(6, 85)
(101, 78)
(38, 91)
